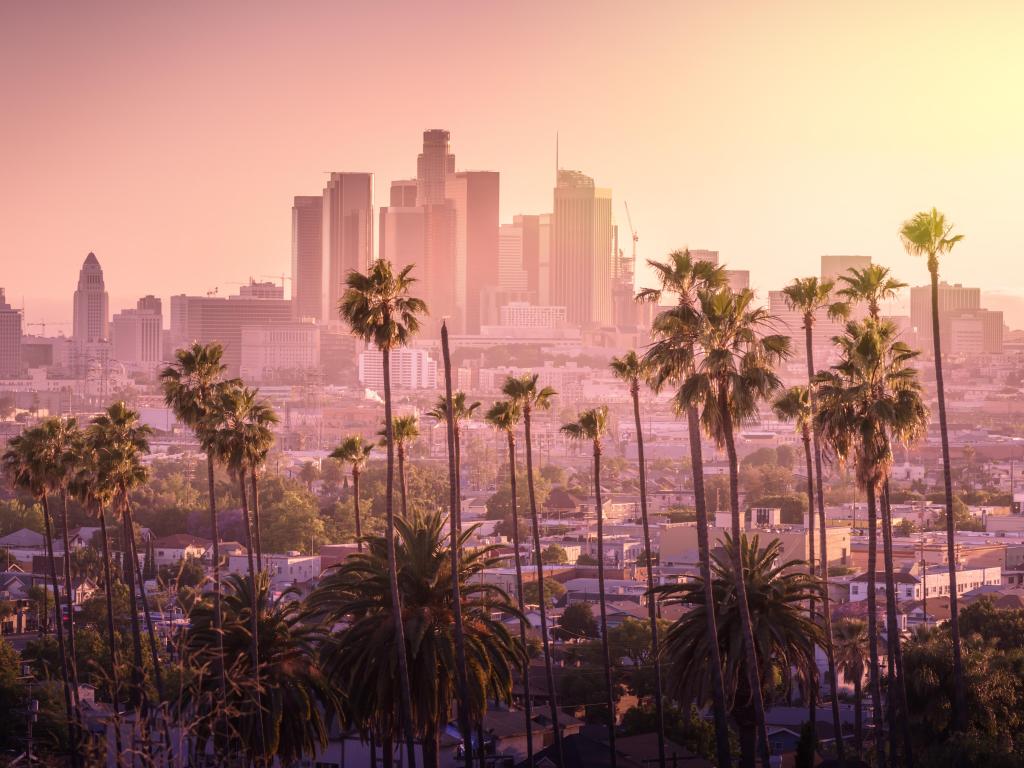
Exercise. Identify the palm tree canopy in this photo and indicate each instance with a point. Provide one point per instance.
(404, 429)
(872, 285)
(354, 451)
(591, 424)
(237, 429)
(784, 635)
(461, 410)
(120, 440)
(794, 404)
(25, 462)
(524, 391)
(850, 637)
(631, 369)
(378, 307)
(683, 275)
(190, 385)
(808, 295)
(928, 233)
(504, 415)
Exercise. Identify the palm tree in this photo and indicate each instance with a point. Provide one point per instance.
(929, 234)
(357, 660)
(298, 702)
(379, 309)
(461, 411)
(871, 285)
(26, 463)
(870, 395)
(260, 417)
(592, 425)
(504, 416)
(524, 394)
(734, 374)
(236, 437)
(191, 388)
(671, 359)
(404, 430)
(355, 452)
(632, 370)
(786, 635)
(851, 644)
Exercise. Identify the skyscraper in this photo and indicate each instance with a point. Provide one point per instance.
(954, 301)
(10, 339)
(347, 234)
(433, 166)
(136, 334)
(832, 267)
(474, 199)
(511, 272)
(308, 257)
(582, 249)
(92, 305)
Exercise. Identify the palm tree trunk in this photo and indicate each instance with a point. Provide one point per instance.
(528, 704)
(257, 539)
(405, 700)
(218, 614)
(722, 747)
(69, 601)
(858, 715)
(431, 748)
(826, 600)
(812, 698)
(254, 620)
(111, 634)
(535, 523)
(606, 654)
(402, 484)
(129, 573)
(59, 628)
(454, 544)
(749, 652)
(355, 504)
(959, 694)
(652, 603)
(899, 681)
(874, 681)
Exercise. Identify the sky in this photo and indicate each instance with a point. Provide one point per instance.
(170, 138)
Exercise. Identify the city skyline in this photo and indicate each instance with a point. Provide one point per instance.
(622, 125)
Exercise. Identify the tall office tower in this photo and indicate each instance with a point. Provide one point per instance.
(953, 300)
(512, 275)
(403, 193)
(10, 339)
(402, 238)
(832, 267)
(534, 247)
(347, 235)
(581, 249)
(308, 257)
(543, 259)
(433, 167)
(474, 198)
(137, 334)
(702, 254)
(92, 306)
(738, 279)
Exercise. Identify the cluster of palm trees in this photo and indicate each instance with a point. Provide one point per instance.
(403, 633)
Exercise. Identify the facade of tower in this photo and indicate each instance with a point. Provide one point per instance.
(582, 250)
(832, 267)
(92, 305)
(474, 197)
(308, 257)
(10, 339)
(347, 234)
(433, 166)
(137, 334)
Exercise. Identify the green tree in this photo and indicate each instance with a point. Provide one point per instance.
(15, 515)
(354, 452)
(554, 555)
(577, 622)
(553, 591)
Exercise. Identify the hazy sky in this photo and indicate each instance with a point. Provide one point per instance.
(170, 137)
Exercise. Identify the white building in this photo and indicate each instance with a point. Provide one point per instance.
(521, 314)
(279, 347)
(410, 369)
(284, 569)
(914, 584)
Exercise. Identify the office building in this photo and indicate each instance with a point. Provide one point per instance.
(433, 167)
(582, 249)
(403, 193)
(972, 332)
(952, 298)
(737, 279)
(702, 254)
(279, 352)
(411, 368)
(520, 314)
(473, 196)
(347, 235)
(833, 267)
(137, 334)
(512, 275)
(91, 304)
(10, 339)
(308, 257)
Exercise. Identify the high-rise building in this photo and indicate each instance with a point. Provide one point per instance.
(952, 298)
(433, 167)
(92, 305)
(347, 234)
(512, 275)
(582, 249)
(10, 339)
(972, 332)
(403, 193)
(473, 196)
(702, 254)
(833, 267)
(737, 279)
(279, 351)
(137, 334)
(403, 232)
(308, 257)
(411, 368)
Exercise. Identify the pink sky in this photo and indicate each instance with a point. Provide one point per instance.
(170, 138)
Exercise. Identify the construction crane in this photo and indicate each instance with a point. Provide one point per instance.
(42, 325)
(282, 277)
(636, 238)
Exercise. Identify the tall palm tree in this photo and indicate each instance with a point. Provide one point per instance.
(404, 430)
(298, 702)
(380, 310)
(357, 658)
(735, 373)
(869, 396)
(871, 286)
(235, 436)
(851, 644)
(523, 392)
(505, 416)
(260, 419)
(461, 411)
(632, 370)
(929, 234)
(592, 425)
(26, 463)
(355, 452)
(671, 358)
(778, 592)
(191, 387)
(809, 297)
